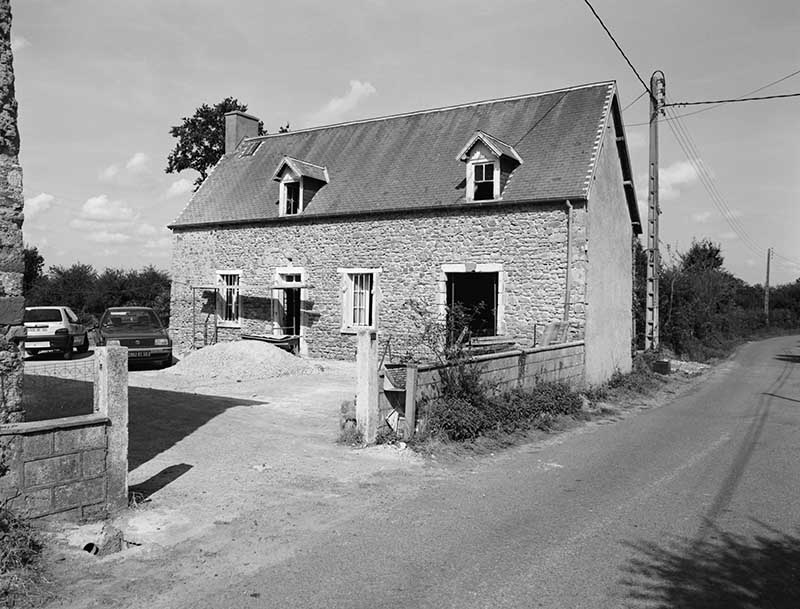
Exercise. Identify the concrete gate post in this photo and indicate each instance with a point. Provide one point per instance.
(367, 385)
(111, 400)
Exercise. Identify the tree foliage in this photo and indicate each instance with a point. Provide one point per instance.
(34, 266)
(89, 293)
(201, 138)
(703, 308)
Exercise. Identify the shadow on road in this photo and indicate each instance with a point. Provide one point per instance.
(159, 419)
(721, 571)
(788, 357)
(142, 491)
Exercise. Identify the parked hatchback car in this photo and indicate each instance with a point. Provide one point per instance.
(138, 329)
(54, 329)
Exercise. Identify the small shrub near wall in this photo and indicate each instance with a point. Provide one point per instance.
(459, 414)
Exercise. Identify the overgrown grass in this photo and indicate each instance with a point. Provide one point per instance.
(20, 548)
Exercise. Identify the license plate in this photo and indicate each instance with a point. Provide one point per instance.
(36, 344)
(139, 353)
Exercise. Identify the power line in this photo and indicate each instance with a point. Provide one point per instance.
(706, 179)
(619, 48)
(761, 88)
(641, 95)
(731, 101)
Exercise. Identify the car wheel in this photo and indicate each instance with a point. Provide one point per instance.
(84, 346)
(31, 352)
(68, 353)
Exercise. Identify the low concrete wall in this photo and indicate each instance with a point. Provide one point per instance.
(515, 369)
(73, 467)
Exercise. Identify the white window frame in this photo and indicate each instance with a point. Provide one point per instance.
(290, 178)
(222, 295)
(348, 287)
(481, 156)
(480, 267)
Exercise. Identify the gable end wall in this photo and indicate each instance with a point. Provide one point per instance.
(609, 281)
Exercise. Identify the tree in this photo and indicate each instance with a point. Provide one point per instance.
(34, 264)
(703, 255)
(201, 138)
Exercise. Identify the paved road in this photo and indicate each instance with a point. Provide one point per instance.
(694, 504)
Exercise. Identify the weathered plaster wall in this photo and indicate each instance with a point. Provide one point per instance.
(609, 280)
(528, 241)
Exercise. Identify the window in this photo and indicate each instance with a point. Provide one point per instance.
(484, 182)
(250, 150)
(290, 302)
(359, 306)
(228, 303)
(292, 198)
(472, 301)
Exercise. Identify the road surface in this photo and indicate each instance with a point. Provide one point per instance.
(692, 504)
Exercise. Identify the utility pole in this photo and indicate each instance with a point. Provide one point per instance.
(766, 289)
(651, 336)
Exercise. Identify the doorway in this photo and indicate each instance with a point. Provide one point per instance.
(472, 300)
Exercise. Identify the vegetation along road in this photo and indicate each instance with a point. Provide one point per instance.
(691, 504)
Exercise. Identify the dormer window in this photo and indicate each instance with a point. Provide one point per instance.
(299, 182)
(489, 164)
(291, 196)
(483, 183)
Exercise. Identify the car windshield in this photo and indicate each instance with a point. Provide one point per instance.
(42, 315)
(131, 320)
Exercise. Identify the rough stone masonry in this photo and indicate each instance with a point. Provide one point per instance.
(11, 203)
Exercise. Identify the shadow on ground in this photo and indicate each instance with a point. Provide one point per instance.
(788, 357)
(720, 571)
(158, 419)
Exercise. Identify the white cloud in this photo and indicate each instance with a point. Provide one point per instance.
(109, 173)
(179, 187)
(338, 107)
(137, 163)
(108, 237)
(672, 177)
(37, 204)
(701, 216)
(159, 244)
(135, 166)
(19, 42)
(146, 230)
(671, 180)
(101, 209)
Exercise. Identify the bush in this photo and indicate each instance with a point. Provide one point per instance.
(468, 414)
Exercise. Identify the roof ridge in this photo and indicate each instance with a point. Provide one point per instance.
(433, 110)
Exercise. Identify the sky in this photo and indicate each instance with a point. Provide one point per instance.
(100, 82)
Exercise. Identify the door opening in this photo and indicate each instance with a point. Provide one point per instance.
(472, 303)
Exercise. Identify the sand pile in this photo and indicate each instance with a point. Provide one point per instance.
(241, 360)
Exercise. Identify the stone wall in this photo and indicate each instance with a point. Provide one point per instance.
(56, 467)
(11, 203)
(528, 242)
(74, 467)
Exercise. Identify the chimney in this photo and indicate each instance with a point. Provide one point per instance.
(238, 126)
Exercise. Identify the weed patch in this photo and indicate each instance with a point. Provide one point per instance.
(20, 548)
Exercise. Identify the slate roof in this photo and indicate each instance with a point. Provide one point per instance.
(408, 161)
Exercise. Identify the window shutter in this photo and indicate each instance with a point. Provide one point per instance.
(346, 301)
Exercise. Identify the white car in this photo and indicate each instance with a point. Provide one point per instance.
(54, 329)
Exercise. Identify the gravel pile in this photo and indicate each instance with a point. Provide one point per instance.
(240, 360)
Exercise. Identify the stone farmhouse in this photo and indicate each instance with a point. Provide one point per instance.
(524, 205)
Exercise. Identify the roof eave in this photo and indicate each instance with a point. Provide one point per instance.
(378, 212)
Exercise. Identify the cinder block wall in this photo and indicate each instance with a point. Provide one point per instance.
(519, 369)
(530, 242)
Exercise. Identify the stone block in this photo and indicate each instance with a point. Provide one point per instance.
(85, 492)
(94, 462)
(37, 445)
(53, 470)
(79, 438)
(33, 503)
